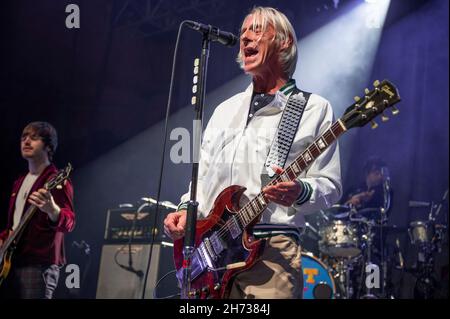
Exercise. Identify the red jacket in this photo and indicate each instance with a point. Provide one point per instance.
(42, 242)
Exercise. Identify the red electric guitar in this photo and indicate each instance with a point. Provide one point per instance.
(223, 247)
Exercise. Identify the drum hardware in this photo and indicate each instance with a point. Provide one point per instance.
(324, 216)
(345, 254)
(309, 227)
(350, 240)
(343, 270)
(383, 221)
(420, 233)
(400, 265)
(339, 246)
(367, 240)
(427, 236)
(369, 237)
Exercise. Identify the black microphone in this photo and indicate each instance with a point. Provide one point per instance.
(226, 38)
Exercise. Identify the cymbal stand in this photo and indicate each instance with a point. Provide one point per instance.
(368, 237)
(426, 284)
(342, 275)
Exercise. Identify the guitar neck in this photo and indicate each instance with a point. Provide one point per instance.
(15, 235)
(256, 206)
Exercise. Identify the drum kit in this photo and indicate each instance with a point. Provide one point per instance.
(427, 236)
(350, 241)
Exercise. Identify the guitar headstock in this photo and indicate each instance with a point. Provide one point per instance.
(59, 178)
(375, 102)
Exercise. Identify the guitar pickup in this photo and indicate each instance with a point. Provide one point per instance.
(216, 243)
(233, 227)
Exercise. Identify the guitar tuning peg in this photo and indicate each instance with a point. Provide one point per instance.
(58, 187)
(395, 110)
(376, 83)
(367, 91)
(357, 98)
(373, 124)
(384, 118)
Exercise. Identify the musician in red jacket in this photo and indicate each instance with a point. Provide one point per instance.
(39, 254)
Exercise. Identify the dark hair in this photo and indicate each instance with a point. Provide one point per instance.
(373, 162)
(47, 132)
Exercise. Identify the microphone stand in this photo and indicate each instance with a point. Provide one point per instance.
(191, 217)
(132, 231)
(138, 273)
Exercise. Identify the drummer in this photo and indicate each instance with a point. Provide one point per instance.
(371, 194)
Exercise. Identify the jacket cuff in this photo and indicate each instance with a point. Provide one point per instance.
(182, 206)
(306, 193)
(57, 223)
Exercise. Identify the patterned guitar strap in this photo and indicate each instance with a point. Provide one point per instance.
(287, 128)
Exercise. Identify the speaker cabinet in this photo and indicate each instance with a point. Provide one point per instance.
(115, 282)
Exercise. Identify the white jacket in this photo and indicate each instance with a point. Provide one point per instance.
(234, 153)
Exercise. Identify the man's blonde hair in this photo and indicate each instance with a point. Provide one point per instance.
(284, 31)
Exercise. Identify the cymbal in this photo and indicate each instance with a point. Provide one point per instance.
(370, 213)
(338, 208)
(369, 210)
(338, 211)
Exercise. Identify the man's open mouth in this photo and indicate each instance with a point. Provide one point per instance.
(248, 52)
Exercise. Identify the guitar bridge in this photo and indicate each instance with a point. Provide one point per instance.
(210, 249)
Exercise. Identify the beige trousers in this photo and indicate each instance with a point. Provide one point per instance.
(277, 273)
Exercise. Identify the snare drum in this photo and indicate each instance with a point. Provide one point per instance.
(340, 239)
(317, 280)
(419, 232)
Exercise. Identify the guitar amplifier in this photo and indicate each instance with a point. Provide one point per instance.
(114, 282)
(123, 224)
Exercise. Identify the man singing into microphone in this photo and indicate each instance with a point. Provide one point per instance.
(235, 149)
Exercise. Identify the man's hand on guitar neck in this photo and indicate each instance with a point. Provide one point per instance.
(43, 200)
(174, 224)
(283, 193)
